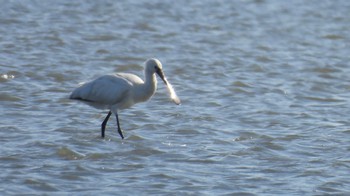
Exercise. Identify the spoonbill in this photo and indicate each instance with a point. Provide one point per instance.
(122, 90)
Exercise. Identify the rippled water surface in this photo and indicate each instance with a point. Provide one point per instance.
(264, 85)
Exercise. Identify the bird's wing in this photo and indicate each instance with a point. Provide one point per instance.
(107, 90)
(130, 77)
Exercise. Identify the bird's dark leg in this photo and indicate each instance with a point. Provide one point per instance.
(119, 129)
(103, 125)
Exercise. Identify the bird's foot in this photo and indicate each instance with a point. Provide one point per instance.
(121, 133)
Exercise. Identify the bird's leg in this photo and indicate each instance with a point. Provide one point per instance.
(103, 125)
(119, 129)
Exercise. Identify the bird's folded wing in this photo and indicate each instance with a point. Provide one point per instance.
(107, 90)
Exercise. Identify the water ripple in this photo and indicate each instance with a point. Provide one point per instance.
(264, 98)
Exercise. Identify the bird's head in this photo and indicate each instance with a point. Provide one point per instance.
(155, 66)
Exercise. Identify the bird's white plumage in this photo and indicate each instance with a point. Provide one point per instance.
(103, 92)
(122, 90)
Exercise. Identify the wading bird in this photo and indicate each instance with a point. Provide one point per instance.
(122, 90)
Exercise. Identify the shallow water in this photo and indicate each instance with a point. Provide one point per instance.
(264, 86)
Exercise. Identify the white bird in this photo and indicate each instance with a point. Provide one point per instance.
(122, 90)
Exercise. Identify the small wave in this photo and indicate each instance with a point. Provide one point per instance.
(69, 154)
(8, 97)
(6, 77)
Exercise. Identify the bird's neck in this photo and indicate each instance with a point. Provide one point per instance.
(148, 88)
